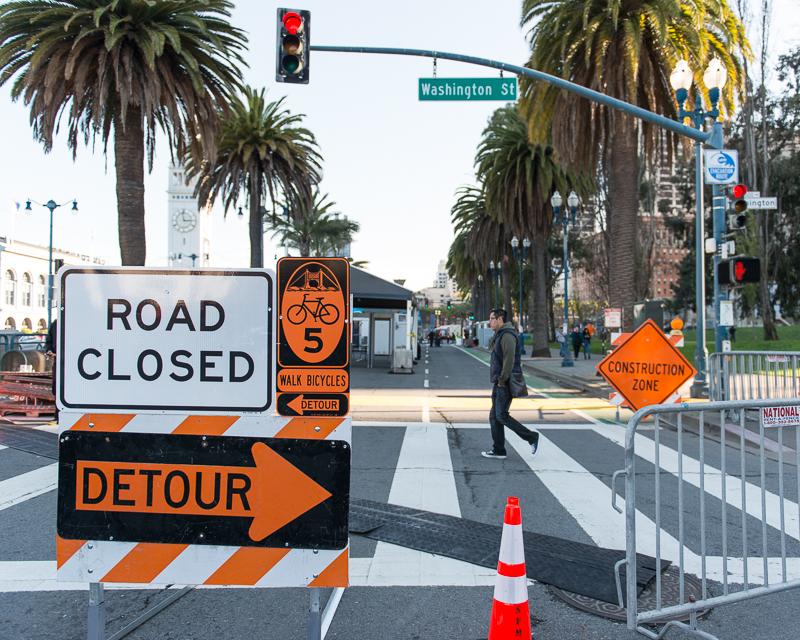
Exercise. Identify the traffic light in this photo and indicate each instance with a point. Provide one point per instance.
(449, 305)
(739, 270)
(738, 219)
(292, 46)
(471, 317)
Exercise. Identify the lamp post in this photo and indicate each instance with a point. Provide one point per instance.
(520, 253)
(479, 301)
(681, 80)
(52, 206)
(560, 217)
(494, 270)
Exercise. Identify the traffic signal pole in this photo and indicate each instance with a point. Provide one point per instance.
(719, 228)
(590, 94)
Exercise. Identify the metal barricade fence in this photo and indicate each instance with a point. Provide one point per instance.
(739, 536)
(749, 375)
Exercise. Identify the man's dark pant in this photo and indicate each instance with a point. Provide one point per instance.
(500, 417)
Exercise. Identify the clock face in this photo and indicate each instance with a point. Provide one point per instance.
(184, 220)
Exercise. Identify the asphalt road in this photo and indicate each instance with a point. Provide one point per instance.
(416, 442)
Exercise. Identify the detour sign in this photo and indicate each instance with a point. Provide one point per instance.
(226, 490)
(646, 369)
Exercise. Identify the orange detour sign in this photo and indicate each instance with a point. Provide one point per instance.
(313, 336)
(203, 489)
(646, 368)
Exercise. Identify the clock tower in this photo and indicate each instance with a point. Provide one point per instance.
(188, 228)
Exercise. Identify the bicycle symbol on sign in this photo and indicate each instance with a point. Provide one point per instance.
(325, 313)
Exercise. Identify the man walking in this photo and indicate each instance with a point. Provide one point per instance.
(505, 362)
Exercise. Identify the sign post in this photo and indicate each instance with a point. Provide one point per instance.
(313, 375)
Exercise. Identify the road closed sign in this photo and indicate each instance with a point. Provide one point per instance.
(313, 374)
(137, 339)
(646, 369)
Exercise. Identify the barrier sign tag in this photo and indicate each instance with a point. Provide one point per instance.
(646, 369)
(150, 340)
(187, 489)
(781, 416)
(313, 374)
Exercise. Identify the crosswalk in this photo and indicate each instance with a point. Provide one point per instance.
(565, 489)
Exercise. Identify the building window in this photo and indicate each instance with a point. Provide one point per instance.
(27, 325)
(41, 326)
(41, 296)
(11, 288)
(10, 324)
(27, 289)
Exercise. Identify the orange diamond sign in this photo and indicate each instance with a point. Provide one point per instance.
(646, 369)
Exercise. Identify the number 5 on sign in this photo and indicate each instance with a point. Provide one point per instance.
(313, 336)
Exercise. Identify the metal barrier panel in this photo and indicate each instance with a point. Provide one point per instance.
(750, 375)
(722, 506)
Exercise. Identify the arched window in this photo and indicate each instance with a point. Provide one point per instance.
(27, 325)
(41, 326)
(27, 289)
(11, 287)
(10, 324)
(41, 295)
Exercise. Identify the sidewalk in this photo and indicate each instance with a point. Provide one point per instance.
(583, 375)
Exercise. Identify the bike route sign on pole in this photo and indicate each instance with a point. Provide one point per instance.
(313, 363)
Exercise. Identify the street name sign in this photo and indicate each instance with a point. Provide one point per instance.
(761, 203)
(646, 369)
(313, 373)
(184, 489)
(468, 89)
(720, 166)
(781, 416)
(139, 339)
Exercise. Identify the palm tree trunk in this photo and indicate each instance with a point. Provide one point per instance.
(256, 225)
(623, 217)
(507, 288)
(538, 312)
(129, 161)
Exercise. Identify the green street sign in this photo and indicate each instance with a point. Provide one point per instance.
(468, 89)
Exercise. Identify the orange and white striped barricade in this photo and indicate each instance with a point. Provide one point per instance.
(511, 618)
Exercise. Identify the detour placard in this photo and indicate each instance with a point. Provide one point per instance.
(228, 490)
(646, 369)
(313, 375)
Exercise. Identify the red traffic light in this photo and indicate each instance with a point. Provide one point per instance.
(292, 22)
(739, 191)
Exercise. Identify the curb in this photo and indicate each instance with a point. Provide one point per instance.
(599, 389)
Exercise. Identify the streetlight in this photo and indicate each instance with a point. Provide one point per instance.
(559, 217)
(520, 255)
(52, 206)
(479, 301)
(681, 80)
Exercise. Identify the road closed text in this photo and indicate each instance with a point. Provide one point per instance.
(154, 364)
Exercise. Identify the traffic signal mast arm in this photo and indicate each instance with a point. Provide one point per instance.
(643, 114)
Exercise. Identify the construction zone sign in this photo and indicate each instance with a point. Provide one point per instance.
(313, 336)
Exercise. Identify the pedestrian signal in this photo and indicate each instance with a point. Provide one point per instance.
(739, 270)
(292, 46)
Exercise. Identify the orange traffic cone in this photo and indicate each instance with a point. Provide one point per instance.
(511, 618)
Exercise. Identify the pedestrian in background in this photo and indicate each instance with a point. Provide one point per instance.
(587, 342)
(577, 340)
(508, 382)
(50, 350)
(561, 339)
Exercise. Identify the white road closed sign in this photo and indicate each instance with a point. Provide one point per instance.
(781, 416)
(153, 340)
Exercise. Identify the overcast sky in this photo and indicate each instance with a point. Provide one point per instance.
(391, 162)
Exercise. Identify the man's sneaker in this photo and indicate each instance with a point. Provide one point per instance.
(535, 445)
(492, 454)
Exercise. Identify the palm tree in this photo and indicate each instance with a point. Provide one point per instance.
(625, 49)
(312, 229)
(519, 178)
(130, 67)
(260, 150)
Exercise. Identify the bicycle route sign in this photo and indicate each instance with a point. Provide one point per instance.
(313, 363)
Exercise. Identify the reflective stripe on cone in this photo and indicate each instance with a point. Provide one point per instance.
(511, 618)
